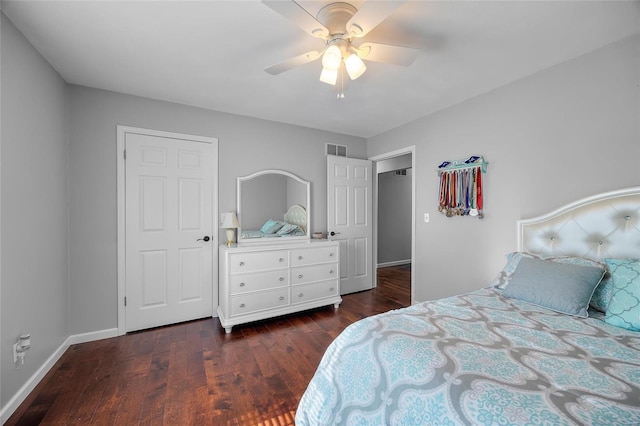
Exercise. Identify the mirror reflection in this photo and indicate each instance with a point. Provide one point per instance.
(272, 207)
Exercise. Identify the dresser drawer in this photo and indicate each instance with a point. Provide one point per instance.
(307, 274)
(264, 300)
(265, 280)
(308, 256)
(245, 283)
(309, 292)
(258, 261)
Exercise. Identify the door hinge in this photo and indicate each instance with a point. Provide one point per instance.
(125, 301)
(125, 154)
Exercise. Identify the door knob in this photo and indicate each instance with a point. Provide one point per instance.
(333, 234)
(205, 238)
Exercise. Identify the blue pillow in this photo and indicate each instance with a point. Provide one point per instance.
(624, 305)
(604, 290)
(561, 287)
(288, 228)
(513, 258)
(503, 278)
(271, 226)
(602, 293)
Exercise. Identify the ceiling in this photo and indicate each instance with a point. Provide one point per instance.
(212, 54)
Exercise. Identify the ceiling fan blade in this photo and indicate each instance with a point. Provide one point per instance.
(370, 15)
(293, 62)
(387, 53)
(299, 16)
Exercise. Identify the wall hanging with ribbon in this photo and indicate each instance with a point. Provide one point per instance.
(460, 192)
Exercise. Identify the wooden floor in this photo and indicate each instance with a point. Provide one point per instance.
(195, 374)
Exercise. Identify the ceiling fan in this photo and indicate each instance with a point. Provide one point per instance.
(341, 27)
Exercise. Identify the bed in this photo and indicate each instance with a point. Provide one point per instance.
(294, 223)
(542, 344)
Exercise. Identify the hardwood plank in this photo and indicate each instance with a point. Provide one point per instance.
(155, 388)
(177, 395)
(195, 374)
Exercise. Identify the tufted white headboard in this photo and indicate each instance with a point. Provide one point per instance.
(597, 227)
(297, 215)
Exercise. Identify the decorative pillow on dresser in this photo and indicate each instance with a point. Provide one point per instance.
(623, 309)
(287, 229)
(271, 226)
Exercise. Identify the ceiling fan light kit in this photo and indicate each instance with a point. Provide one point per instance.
(331, 58)
(339, 24)
(337, 53)
(354, 65)
(329, 76)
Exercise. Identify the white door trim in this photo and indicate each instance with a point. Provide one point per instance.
(121, 166)
(402, 151)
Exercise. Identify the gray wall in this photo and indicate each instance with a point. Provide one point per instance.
(58, 193)
(394, 163)
(33, 208)
(394, 217)
(246, 145)
(263, 198)
(564, 133)
(59, 147)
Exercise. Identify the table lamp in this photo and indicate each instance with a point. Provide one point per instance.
(229, 221)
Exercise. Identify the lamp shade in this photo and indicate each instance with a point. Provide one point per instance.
(354, 65)
(229, 220)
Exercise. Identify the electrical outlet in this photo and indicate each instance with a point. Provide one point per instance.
(426, 217)
(20, 348)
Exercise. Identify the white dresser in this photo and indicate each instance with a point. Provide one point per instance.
(263, 281)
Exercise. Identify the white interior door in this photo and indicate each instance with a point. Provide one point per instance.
(169, 226)
(349, 219)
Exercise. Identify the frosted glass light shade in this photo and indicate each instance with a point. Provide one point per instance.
(355, 66)
(329, 76)
(332, 58)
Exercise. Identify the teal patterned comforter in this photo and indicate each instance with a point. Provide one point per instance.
(479, 359)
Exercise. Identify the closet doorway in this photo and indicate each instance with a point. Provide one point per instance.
(167, 230)
(394, 201)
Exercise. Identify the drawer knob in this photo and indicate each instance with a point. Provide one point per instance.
(241, 263)
(281, 259)
(300, 295)
(281, 297)
(331, 254)
(281, 278)
(331, 271)
(242, 305)
(299, 257)
(331, 289)
(300, 276)
(241, 284)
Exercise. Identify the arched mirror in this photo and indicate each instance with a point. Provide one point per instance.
(273, 206)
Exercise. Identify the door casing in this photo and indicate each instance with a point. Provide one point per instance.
(402, 151)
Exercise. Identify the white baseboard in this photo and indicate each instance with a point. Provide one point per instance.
(33, 381)
(394, 263)
(92, 336)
